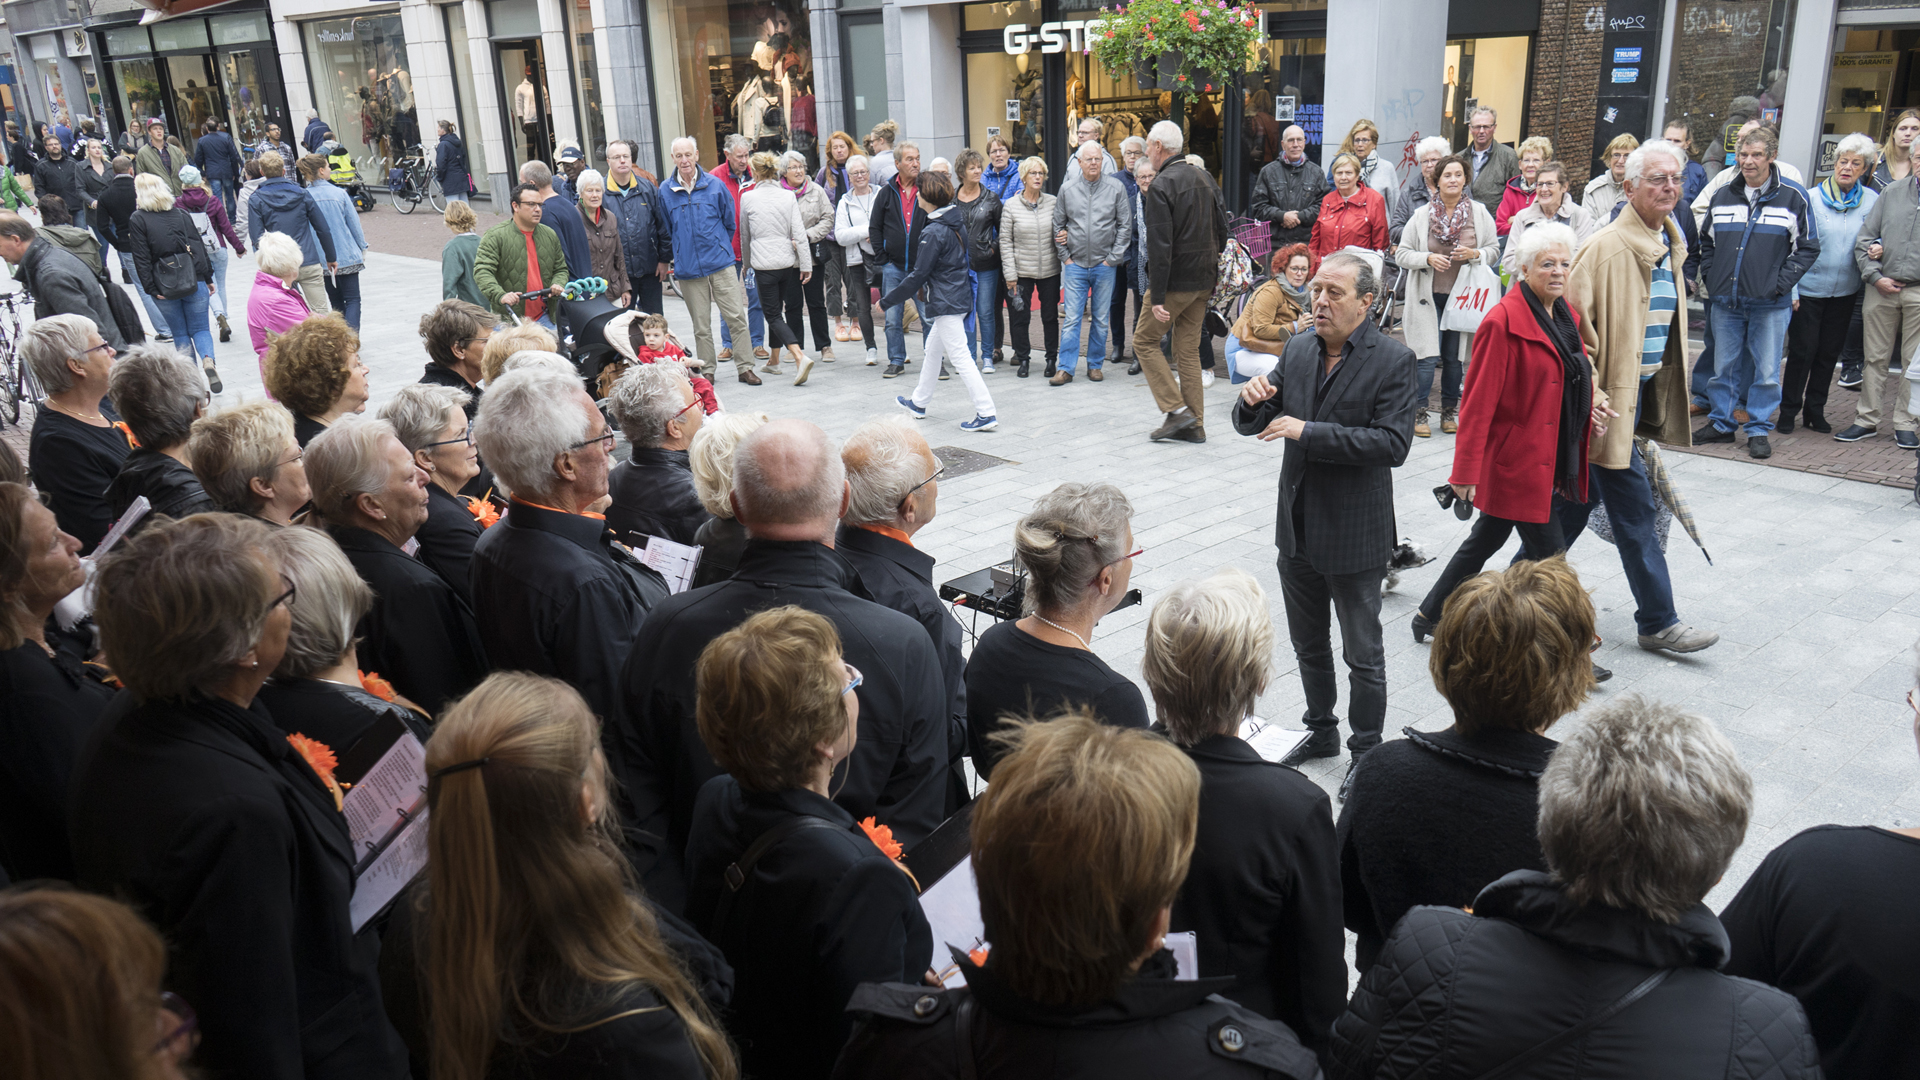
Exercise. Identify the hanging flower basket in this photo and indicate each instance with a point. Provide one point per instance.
(1182, 44)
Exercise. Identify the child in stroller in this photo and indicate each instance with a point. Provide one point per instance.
(649, 341)
(340, 168)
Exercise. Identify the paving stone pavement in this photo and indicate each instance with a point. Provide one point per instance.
(1814, 587)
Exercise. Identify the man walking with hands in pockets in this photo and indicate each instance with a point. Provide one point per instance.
(1342, 399)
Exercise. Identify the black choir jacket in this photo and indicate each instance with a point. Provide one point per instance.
(653, 494)
(900, 576)
(420, 634)
(898, 768)
(447, 539)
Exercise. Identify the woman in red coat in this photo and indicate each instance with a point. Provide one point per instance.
(1352, 214)
(1525, 418)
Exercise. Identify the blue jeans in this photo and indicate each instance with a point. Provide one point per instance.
(1086, 285)
(1749, 338)
(221, 255)
(187, 312)
(1703, 365)
(990, 295)
(756, 323)
(343, 292)
(1629, 499)
(223, 190)
(154, 314)
(890, 276)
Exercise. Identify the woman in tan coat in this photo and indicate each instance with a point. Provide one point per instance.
(1276, 311)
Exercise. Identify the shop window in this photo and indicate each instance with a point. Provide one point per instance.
(1732, 68)
(864, 35)
(469, 104)
(586, 83)
(55, 88)
(138, 84)
(1286, 85)
(362, 85)
(746, 69)
(1485, 73)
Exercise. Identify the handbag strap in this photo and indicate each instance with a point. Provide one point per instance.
(741, 869)
(1547, 1047)
(963, 1038)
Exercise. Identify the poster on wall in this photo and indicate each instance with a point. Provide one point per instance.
(1625, 105)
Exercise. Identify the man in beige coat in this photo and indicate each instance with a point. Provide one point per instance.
(1624, 288)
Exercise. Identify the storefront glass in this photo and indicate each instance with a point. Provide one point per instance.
(1732, 68)
(586, 82)
(1485, 73)
(1287, 85)
(363, 86)
(138, 84)
(463, 85)
(54, 89)
(246, 58)
(746, 68)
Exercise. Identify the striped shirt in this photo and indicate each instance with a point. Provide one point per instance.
(1661, 305)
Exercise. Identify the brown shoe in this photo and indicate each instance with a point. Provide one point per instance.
(1450, 421)
(750, 378)
(1420, 428)
(1699, 410)
(726, 354)
(1192, 434)
(761, 353)
(1060, 378)
(1095, 374)
(1176, 423)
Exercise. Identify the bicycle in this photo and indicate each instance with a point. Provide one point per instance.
(410, 182)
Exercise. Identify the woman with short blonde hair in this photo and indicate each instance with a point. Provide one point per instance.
(1609, 187)
(1363, 142)
(504, 343)
(249, 462)
(173, 266)
(1030, 264)
(1533, 154)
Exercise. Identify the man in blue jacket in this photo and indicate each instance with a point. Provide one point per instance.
(1759, 239)
(643, 226)
(316, 132)
(282, 206)
(700, 225)
(219, 161)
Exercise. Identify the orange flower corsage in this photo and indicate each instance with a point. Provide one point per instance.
(882, 837)
(483, 512)
(320, 759)
(373, 684)
(978, 956)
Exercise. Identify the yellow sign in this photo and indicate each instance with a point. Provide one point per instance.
(1858, 60)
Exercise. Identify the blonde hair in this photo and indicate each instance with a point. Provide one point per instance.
(532, 920)
(150, 193)
(1030, 164)
(1360, 125)
(528, 336)
(711, 458)
(1535, 144)
(767, 698)
(1085, 834)
(236, 446)
(1209, 654)
(766, 166)
(1621, 142)
(459, 216)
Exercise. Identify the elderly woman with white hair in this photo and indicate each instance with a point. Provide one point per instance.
(1831, 290)
(431, 422)
(1529, 407)
(1263, 894)
(173, 265)
(317, 689)
(275, 303)
(371, 497)
(76, 450)
(1607, 963)
(609, 259)
(653, 494)
(553, 593)
(158, 394)
(722, 538)
(249, 462)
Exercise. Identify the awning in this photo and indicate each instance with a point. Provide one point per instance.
(162, 10)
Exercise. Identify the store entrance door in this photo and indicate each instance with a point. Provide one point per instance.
(252, 98)
(529, 119)
(196, 96)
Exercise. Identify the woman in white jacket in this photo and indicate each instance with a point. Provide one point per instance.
(850, 222)
(774, 244)
(1442, 239)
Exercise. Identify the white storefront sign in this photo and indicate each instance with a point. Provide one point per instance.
(1052, 37)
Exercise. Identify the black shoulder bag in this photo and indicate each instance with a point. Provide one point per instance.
(740, 870)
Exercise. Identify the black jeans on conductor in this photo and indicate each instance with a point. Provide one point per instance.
(1355, 602)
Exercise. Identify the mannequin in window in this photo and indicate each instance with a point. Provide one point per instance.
(763, 108)
(1076, 100)
(526, 109)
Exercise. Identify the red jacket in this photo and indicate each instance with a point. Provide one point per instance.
(1357, 222)
(1510, 414)
(1512, 201)
(734, 187)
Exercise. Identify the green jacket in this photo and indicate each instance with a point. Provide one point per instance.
(12, 195)
(148, 160)
(456, 270)
(500, 266)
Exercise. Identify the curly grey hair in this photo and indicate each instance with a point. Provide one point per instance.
(49, 343)
(645, 400)
(1070, 535)
(885, 459)
(158, 392)
(1643, 808)
(420, 412)
(329, 600)
(528, 418)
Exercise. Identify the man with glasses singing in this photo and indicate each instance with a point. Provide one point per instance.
(520, 260)
(1625, 288)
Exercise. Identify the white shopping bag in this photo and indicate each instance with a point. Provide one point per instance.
(1475, 292)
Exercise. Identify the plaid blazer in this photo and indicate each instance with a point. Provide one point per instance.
(1357, 431)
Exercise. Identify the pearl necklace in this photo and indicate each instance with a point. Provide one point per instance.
(1084, 643)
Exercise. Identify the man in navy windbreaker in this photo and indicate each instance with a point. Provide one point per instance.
(1759, 239)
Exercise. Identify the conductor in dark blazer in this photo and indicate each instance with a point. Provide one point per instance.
(1344, 404)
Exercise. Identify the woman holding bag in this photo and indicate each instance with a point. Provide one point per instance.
(1441, 247)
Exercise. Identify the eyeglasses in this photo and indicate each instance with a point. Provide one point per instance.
(1137, 552)
(297, 455)
(528, 205)
(937, 474)
(285, 597)
(466, 438)
(854, 678)
(189, 1022)
(683, 409)
(605, 440)
(1662, 180)
(96, 348)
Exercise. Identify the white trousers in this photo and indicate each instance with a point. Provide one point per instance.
(948, 338)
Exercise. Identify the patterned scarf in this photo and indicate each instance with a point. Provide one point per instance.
(1447, 225)
(1840, 202)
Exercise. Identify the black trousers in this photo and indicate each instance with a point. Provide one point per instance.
(860, 306)
(1815, 339)
(1117, 318)
(1354, 599)
(815, 293)
(1483, 542)
(1049, 290)
(780, 292)
(648, 294)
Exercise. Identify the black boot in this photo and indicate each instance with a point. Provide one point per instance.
(1320, 744)
(1422, 627)
(1051, 361)
(1024, 365)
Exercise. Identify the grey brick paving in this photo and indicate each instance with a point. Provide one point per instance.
(1815, 585)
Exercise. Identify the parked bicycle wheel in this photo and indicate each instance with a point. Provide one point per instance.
(436, 198)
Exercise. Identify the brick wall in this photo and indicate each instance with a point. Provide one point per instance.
(1568, 58)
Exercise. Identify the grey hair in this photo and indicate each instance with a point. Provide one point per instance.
(791, 446)
(1482, 110)
(536, 173)
(735, 142)
(1070, 535)
(1167, 135)
(1637, 161)
(1144, 164)
(540, 358)
(329, 600)
(589, 178)
(1434, 143)
(1763, 135)
(1209, 654)
(787, 159)
(861, 158)
(156, 391)
(1134, 143)
(49, 343)
(711, 457)
(1542, 238)
(688, 139)
(1643, 808)
(1081, 150)
(1364, 282)
(279, 255)
(885, 459)
(527, 419)
(344, 462)
(1857, 145)
(644, 400)
(420, 412)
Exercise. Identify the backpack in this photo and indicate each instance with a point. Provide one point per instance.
(204, 222)
(1236, 276)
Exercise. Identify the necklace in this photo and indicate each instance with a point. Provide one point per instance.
(1084, 643)
(71, 411)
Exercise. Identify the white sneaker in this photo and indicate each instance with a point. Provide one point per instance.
(873, 357)
(1206, 379)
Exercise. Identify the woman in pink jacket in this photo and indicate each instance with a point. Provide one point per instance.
(275, 302)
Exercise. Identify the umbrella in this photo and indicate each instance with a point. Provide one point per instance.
(1668, 503)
